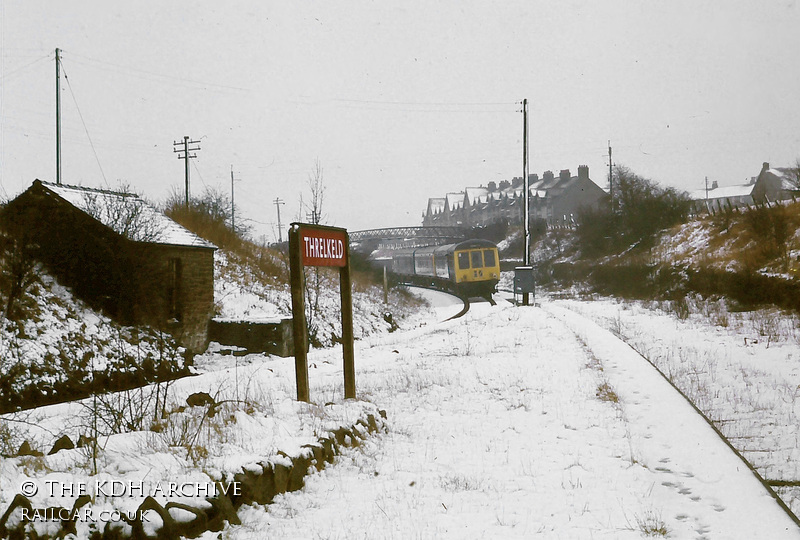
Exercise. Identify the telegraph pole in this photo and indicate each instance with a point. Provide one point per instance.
(58, 116)
(278, 202)
(527, 257)
(610, 177)
(186, 157)
(233, 207)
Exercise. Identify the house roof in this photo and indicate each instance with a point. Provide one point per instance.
(127, 214)
(436, 205)
(723, 192)
(787, 177)
(477, 194)
(455, 200)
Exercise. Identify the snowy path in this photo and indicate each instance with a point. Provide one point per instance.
(677, 443)
(497, 431)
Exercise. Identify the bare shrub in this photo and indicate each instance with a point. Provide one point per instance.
(771, 230)
(208, 216)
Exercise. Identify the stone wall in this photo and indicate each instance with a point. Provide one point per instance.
(272, 338)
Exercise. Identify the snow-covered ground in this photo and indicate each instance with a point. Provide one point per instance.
(513, 422)
(510, 422)
(742, 369)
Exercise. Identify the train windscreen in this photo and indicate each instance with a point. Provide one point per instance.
(477, 259)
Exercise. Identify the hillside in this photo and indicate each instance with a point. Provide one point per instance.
(748, 257)
(55, 347)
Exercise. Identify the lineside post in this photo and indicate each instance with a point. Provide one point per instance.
(299, 330)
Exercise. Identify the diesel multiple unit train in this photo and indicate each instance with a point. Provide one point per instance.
(468, 268)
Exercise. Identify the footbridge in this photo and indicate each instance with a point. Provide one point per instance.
(369, 240)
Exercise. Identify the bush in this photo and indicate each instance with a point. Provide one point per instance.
(208, 216)
(770, 228)
(641, 210)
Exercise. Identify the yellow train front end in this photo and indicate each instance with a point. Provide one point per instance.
(477, 267)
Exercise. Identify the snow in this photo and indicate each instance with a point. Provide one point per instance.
(509, 422)
(109, 206)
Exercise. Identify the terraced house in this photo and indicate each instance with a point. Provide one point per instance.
(554, 199)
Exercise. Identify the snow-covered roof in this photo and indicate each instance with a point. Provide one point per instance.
(789, 179)
(455, 200)
(436, 205)
(723, 192)
(128, 215)
(477, 194)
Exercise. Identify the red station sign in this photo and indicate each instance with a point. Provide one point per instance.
(319, 245)
(323, 247)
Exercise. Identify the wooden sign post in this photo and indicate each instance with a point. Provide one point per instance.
(318, 245)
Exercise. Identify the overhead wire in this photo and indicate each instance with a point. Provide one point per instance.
(5, 76)
(85, 128)
(185, 80)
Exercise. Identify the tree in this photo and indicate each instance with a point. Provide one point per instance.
(794, 174)
(642, 210)
(316, 187)
(314, 213)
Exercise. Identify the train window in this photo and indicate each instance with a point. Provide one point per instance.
(463, 260)
(477, 260)
(488, 257)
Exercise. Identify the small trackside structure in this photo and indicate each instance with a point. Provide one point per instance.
(120, 255)
(317, 245)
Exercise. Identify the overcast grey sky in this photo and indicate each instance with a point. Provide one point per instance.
(399, 101)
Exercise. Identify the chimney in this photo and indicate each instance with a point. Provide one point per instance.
(765, 166)
(564, 175)
(505, 184)
(533, 178)
(714, 184)
(548, 176)
(492, 187)
(516, 182)
(583, 172)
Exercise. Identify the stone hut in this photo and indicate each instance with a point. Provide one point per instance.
(120, 255)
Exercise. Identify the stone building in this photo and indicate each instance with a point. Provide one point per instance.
(772, 184)
(120, 255)
(555, 199)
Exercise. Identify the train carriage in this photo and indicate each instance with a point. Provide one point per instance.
(468, 268)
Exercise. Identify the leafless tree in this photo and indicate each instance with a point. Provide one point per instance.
(125, 213)
(314, 213)
(794, 174)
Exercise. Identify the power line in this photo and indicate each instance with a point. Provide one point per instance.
(21, 68)
(85, 128)
(160, 75)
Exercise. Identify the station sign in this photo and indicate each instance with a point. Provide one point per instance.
(319, 245)
(323, 246)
